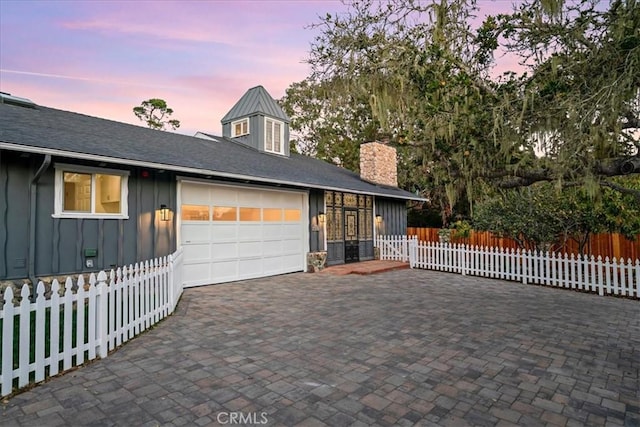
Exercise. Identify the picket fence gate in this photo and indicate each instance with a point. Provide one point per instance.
(71, 328)
(394, 248)
(602, 276)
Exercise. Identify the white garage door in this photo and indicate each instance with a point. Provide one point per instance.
(233, 233)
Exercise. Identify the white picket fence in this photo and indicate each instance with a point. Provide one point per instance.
(394, 248)
(602, 276)
(70, 328)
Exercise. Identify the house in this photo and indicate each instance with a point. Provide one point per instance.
(80, 194)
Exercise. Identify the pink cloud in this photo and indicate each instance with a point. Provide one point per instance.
(104, 58)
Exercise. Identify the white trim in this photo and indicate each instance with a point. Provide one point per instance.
(203, 181)
(324, 223)
(58, 211)
(304, 223)
(91, 169)
(233, 127)
(184, 169)
(282, 142)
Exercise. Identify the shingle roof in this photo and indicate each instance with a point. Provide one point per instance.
(255, 100)
(73, 135)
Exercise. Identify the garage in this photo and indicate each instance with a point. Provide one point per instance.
(233, 233)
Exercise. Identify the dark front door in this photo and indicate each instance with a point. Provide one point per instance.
(351, 248)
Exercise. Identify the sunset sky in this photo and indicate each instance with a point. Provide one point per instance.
(102, 58)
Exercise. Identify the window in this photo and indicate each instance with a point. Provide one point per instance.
(292, 215)
(274, 136)
(249, 214)
(83, 192)
(225, 213)
(195, 213)
(271, 214)
(240, 128)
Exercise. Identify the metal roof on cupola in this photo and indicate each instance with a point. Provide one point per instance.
(255, 101)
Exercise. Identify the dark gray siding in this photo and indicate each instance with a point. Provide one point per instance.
(61, 242)
(316, 230)
(255, 139)
(14, 216)
(394, 216)
(335, 253)
(366, 250)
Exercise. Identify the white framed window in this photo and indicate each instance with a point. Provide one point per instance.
(240, 128)
(85, 192)
(273, 136)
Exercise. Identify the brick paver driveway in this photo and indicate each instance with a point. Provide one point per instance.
(400, 348)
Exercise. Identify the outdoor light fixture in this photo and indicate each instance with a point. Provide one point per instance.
(164, 213)
(321, 217)
(378, 218)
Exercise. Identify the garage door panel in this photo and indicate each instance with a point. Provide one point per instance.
(195, 194)
(224, 271)
(290, 231)
(249, 231)
(196, 273)
(251, 267)
(249, 198)
(271, 266)
(224, 232)
(223, 196)
(250, 249)
(291, 246)
(290, 262)
(198, 252)
(220, 251)
(194, 233)
(291, 201)
(272, 248)
(271, 231)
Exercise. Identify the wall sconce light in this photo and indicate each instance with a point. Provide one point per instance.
(378, 219)
(164, 213)
(321, 217)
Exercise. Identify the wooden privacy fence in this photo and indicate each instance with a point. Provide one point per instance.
(612, 245)
(52, 335)
(602, 276)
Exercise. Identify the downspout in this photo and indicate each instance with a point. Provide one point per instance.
(33, 192)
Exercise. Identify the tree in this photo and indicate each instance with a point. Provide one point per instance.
(418, 74)
(327, 128)
(398, 77)
(155, 113)
(526, 215)
(543, 216)
(578, 105)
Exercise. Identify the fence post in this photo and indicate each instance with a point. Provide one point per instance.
(637, 287)
(462, 250)
(172, 288)
(7, 342)
(413, 247)
(102, 324)
(600, 280)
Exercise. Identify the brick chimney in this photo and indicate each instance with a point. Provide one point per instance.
(379, 164)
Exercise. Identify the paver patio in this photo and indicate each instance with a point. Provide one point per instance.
(401, 348)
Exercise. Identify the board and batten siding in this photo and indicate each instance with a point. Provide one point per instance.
(61, 242)
(394, 216)
(255, 138)
(316, 229)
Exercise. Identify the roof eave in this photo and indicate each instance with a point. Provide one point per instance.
(185, 169)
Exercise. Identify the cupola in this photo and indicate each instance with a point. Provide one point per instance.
(258, 121)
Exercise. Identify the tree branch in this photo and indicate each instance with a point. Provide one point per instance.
(621, 189)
